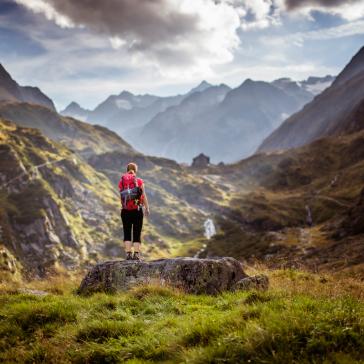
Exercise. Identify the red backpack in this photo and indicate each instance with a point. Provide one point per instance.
(131, 193)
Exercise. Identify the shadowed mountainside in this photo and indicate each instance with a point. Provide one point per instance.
(330, 113)
(10, 90)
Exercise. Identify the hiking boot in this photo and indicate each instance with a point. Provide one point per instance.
(129, 256)
(136, 256)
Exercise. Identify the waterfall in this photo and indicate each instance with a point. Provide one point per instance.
(210, 229)
(309, 220)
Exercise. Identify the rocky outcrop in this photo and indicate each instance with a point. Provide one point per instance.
(193, 275)
(8, 263)
(260, 282)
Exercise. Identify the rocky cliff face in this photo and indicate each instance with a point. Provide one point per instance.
(52, 213)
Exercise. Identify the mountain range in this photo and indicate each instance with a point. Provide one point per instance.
(222, 123)
(182, 126)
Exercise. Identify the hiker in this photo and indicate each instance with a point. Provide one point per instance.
(133, 200)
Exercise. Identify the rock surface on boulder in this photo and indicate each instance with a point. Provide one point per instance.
(260, 282)
(193, 275)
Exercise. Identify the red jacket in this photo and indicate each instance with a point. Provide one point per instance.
(128, 180)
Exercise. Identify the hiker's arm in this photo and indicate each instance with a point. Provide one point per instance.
(145, 200)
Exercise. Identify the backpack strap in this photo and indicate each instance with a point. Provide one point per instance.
(122, 189)
(137, 201)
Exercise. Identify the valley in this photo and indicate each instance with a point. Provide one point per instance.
(60, 205)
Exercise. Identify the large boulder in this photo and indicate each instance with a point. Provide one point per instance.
(193, 275)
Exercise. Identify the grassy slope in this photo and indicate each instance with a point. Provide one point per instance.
(267, 215)
(303, 318)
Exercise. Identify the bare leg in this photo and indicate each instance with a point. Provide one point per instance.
(127, 245)
(136, 247)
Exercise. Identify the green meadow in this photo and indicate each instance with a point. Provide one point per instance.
(302, 318)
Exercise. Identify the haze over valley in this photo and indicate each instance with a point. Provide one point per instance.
(180, 127)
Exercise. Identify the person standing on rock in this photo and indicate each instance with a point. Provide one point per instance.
(133, 200)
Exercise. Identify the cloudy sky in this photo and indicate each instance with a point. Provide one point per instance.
(85, 50)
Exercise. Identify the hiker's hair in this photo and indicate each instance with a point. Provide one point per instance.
(132, 167)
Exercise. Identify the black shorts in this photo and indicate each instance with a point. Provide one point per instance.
(132, 222)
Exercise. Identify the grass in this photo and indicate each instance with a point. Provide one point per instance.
(302, 318)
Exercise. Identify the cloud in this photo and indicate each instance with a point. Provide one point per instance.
(349, 9)
(40, 6)
(292, 4)
(167, 32)
(298, 38)
(259, 14)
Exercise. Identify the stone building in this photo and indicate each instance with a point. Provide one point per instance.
(201, 161)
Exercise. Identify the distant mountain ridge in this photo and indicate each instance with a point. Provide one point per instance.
(76, 111)
(166, 134)
(225, 124)
(316, 85)
(126, 112)
(158, 125)
(138, 118)
(10, 90)
(330, 113)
